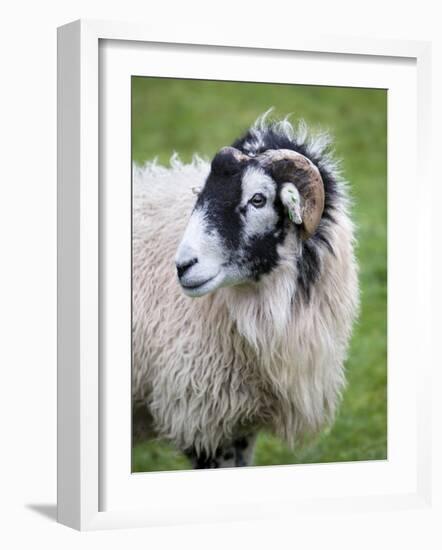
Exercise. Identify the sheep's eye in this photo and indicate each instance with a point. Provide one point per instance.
(258, 200)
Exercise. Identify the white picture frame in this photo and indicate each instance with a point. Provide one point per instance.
(95, 492)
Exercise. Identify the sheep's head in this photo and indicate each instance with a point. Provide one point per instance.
(245, 210)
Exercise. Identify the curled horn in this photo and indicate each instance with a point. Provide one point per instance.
(289, 166)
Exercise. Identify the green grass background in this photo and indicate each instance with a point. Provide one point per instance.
(202, 116)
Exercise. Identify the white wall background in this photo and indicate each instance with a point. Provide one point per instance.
(28, 266)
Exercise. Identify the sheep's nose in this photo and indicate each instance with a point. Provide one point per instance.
(183, 267)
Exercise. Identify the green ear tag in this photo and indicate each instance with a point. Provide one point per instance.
(294, 199)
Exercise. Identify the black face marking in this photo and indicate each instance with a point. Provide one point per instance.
(309, 265)
(261, 252)
(220, 200)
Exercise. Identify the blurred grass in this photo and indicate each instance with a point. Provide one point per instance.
(201, 116)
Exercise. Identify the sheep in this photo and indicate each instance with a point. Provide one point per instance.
(244, 296)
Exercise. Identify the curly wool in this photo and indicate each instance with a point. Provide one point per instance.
(243, 358)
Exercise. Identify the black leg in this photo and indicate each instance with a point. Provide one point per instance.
(244, 447)
(238, 453)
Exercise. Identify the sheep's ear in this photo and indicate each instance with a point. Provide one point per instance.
(228, 161)
(292, 201)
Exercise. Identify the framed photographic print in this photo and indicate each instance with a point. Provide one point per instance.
(237, 309)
